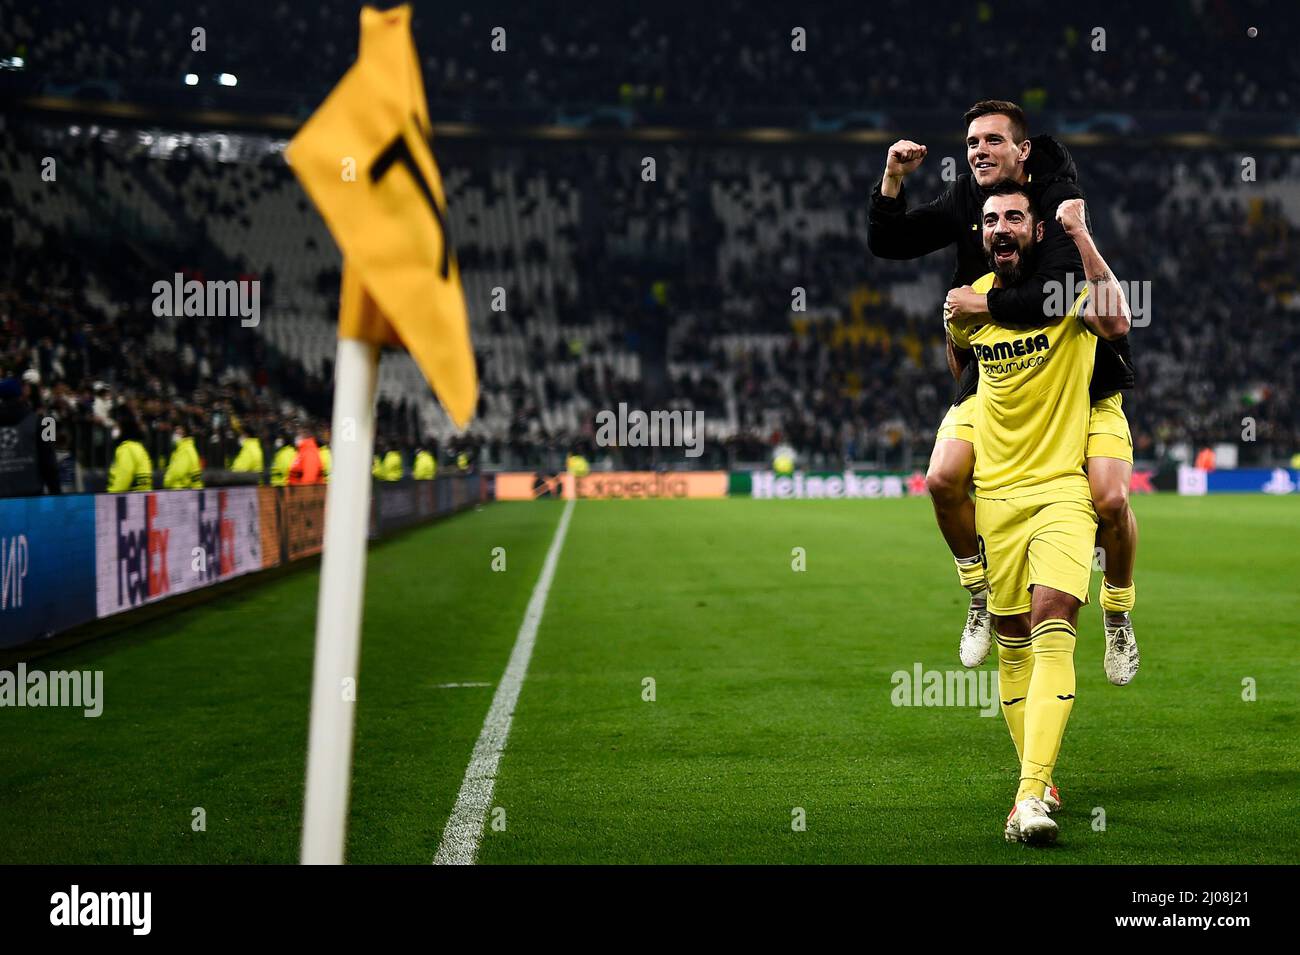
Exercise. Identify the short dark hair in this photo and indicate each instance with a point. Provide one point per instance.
(125, 418)
(1000, 107)
(1009, 187)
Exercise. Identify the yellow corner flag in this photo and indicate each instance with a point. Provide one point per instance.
(364, 157)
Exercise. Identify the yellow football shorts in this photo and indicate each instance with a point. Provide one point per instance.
(1108, 434)
(1044, 538)
(959, 422)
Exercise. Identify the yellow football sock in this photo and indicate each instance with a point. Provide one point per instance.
(1118, 599)
(970, 571)
(1015, 666)
(1048, 704)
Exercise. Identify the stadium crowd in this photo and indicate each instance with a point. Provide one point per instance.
(729, 56)
(94, 364)
(676, 294)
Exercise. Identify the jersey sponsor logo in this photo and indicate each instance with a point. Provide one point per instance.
(1001, 351)
(1004, 358)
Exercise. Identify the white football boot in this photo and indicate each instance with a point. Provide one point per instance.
(1121, 660)
(977, 635)
(1029, 823)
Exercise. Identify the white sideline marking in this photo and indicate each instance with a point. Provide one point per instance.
(454, 686)
(464, 829)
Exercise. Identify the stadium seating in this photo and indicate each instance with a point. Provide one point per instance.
(590, 257)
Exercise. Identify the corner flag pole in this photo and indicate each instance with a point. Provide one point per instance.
(338, 608)
(400, 286)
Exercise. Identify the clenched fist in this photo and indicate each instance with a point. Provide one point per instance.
(904, 157)
(1070, 215)
(963, 304)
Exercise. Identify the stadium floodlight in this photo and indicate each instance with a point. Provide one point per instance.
(227, 79)
(191, 79)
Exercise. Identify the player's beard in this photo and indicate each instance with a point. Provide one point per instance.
(1014, 273)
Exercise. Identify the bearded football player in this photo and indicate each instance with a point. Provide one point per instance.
(1034, 514)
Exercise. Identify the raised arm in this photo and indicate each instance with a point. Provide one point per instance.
(1106, 312)
(1024, 305)
(894, 231)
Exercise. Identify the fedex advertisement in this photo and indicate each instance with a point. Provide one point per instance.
(157, 544)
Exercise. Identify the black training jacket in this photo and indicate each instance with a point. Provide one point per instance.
(895, 232)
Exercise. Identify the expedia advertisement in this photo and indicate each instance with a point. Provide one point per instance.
(595, 485)
(646, 484)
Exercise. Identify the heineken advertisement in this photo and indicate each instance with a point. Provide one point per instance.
(810, 485)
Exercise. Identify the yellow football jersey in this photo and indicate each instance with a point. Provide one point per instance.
(1031, 416)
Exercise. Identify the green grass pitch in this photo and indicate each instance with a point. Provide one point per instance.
(772, 693)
